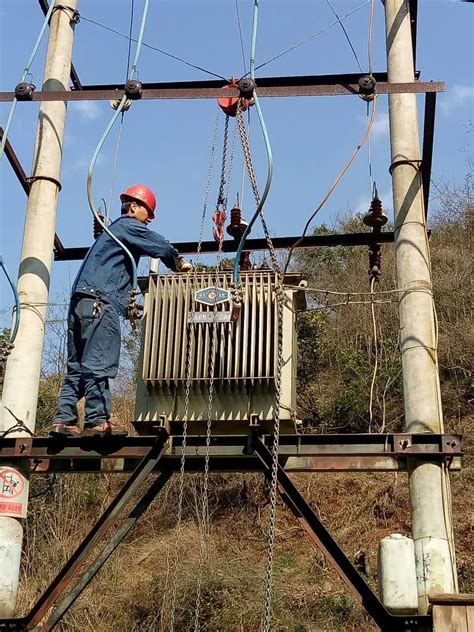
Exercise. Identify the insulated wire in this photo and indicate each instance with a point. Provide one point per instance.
(376, 357)
(132, 75)
(310, 37)
(155, 48)
(346, 34)
(369, 39)
(119, 136)
(240, 35)
(267, 147)
(17, 302)
(26, 72)
(334, 184)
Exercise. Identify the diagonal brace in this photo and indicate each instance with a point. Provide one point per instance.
(133, 517)
(70, 569)
(335, 555)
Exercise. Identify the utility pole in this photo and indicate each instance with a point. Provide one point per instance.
(22, 375)
(429, 482)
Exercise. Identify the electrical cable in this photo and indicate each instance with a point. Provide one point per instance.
(26, 72)
(268, 148)
(240, 35)
(310, 37)
(334, 184)
(155, 48)
(132, 75)
(17, 302)
(119, 135)
(346, 34)
(376, 357)
(369, 38)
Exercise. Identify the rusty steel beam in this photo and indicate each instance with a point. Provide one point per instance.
(15, 164)
(359, 452)
(427, 152)
(279, 243)
(279, 87)
(23, 180)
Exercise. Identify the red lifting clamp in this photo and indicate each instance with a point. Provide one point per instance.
(229, 105)
(219, 218)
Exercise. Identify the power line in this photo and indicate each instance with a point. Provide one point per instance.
(310, 37)
(155, 48)
(240, 35)
(346, 34)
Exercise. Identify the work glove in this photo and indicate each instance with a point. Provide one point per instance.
(182, 266)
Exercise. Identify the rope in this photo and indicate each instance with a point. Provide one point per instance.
(240, 35)
(376, 358)
(117, 113)
(26, 72)
(334, 184)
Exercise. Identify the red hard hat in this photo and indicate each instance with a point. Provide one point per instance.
(142, 194)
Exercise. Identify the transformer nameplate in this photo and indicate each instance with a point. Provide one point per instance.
(211, 296)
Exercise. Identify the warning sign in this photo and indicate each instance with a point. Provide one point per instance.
(13, 493)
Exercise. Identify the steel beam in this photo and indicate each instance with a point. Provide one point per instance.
(23, 180)
(334, 554)
(279, 243)
(428, 138)
(267, 87)
(350, 452)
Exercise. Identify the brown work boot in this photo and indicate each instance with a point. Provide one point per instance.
(104, 429)
(65, 430)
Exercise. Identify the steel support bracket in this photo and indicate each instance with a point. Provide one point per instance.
(305, 515)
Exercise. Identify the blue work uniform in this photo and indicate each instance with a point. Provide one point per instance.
(99, 296)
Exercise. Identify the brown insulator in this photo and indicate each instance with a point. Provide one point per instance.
(97, 228)
(375, 218)
(244, 263)
(375, 262)
(265, 266)
(237, 225)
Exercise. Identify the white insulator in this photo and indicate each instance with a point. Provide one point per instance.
(397, 574)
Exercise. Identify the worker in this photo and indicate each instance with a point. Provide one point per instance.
(100, 295)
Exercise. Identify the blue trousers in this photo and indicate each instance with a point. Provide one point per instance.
(93, 358)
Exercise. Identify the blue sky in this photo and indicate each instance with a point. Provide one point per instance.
(166, 144)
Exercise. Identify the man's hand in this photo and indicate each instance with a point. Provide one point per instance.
(182, 265)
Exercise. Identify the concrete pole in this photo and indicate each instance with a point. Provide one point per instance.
(429, 484)
(22, 374)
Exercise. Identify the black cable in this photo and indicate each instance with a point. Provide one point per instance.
(346, 34)
(240, 34)
(158, 50)
(310, 37)
(132, 8)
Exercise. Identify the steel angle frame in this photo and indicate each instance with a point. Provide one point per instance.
(69, 571)
(293, 499)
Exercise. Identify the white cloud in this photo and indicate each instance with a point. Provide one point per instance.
(88, 110)
(381, 127)
(457, 97)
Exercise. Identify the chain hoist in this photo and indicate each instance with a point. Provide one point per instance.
(189, 356)
(280, 300)
(254, 185)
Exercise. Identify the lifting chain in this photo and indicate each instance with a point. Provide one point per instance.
(266, 619)
(220, 214)
(254, 185)
(189, 356)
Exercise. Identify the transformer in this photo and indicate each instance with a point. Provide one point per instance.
(245, 353)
